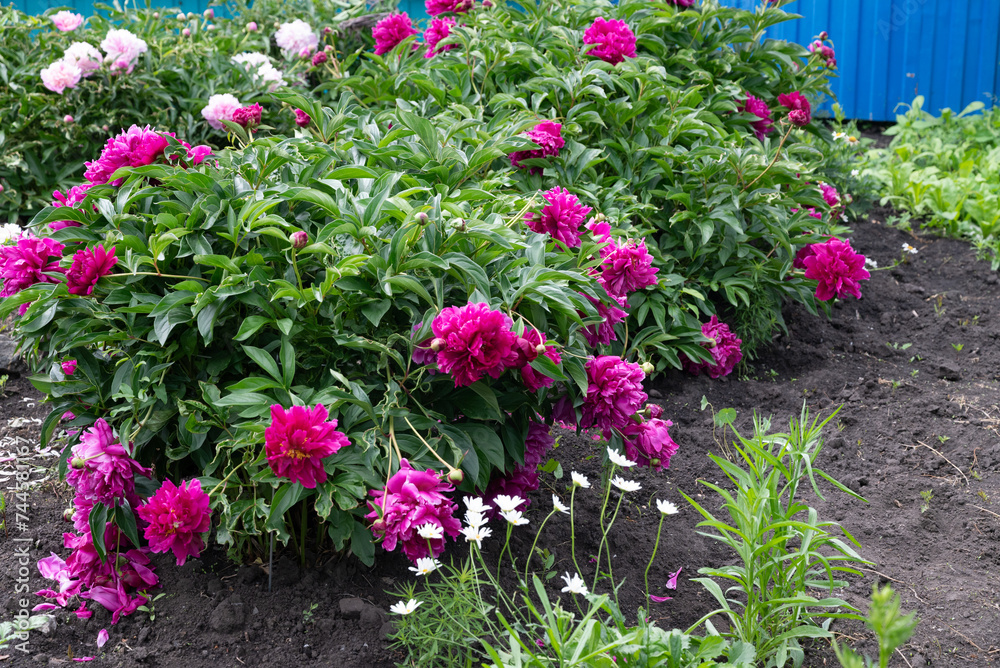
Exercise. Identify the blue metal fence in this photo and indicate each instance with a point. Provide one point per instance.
(888, 51)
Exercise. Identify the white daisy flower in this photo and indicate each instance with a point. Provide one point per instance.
(839, 135)
(580, 480)
(853, 141)
(425, 566)
(515, 517)
(619, 459)
(430, 531)
(477, 535)
(871, 263)
(506, 503)
(666, 507)
(476, 504)
(855, 173)
(405, 608)
(474, 519)
(907, 248)
(574, 584)
(559, 505)
(625, 485)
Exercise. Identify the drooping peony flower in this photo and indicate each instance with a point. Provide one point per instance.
(61, 75)
(626, 268)
(302, 118)
(411, 499)
(614, 39)
(133, 148)
(472, 341)
(248, 116)
(548, 136)
(177, 517)
(99, 467)
(220, 107)
(438, 30)
(533, 380)
(296, 37)
(830, 195)
(537, 444)
(725, 351)
(603, 333)
(121, 46)
(392, 30)
(757, 107)
(560, 218)
(67, 21)
(84, 56)
(837, 268)
(115, 599)
(89, 265)
(799, 109)
(614, 393)
(297, 442)
(24, 264)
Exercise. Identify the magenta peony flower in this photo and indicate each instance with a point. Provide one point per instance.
(296, 37)
(392, 30)
(560, 218)
(473, 340)
(67, 21)
(89, 265)
(533, 380)
(615, 41)
(811, 212)
(614, 393)
(435, 7)
(837, 269)
(411, 499)
(302, 118)
(799, 109)
(604, 333)
(649, 443)
(297, 442)
(248, 116)
(61, 75)
(521, 481)
(133, 148)
(100, 469)
(438, 30)
(758, 108)
(830, 195)
(123, 48)
(115, 599)
(725, 351)
(626, 268)
(599, 229)
(177, 517)
(197, 154)
(548, 136)
(220, 108)
(68, 367)
(681, 3)
(25, 263)
(319, 58)
(84, 56)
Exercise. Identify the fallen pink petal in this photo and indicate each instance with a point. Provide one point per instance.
(672, 582)
(660, 599)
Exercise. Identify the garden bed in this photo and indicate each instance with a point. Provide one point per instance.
(919, 415)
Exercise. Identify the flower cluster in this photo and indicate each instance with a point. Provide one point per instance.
(548, 136)
(613, 40)
(725, 350)
(825, 52)
(758, 108)
(297, 442)
(31, 260)
(649, 442)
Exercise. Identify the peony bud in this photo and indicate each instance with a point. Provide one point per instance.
(78, 463)
(209, 13)
(648, 368)
(328, 48)
(210, 26)
(1, 187)
(68, 515)
(487, 4)
(156, 15)
(319, 58)
(460, 224)
(252, 26)
(421, 218)
(67, 119)
(299, 240)
(192, 15)
(540, 349)
(654, 462)
(327, 30)
(379, 524)
(437, 345)
(277, 25)
(186, 32)
(456, 477)
(181, 17)
(105, 128)
(824, 36)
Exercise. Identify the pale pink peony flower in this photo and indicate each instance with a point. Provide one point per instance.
(298, 440)
(560, 218)
(134, 147)
(25, 263)
(411, 499)
(649, 443)
(296, 37)
(177, 517)
(725, 351)
(61, 75)
(626, 268)
(122, 46)
(614, 394)
(473, 341)
(392, 30)
(799, 109)
(837, 268)
(220, 108)
(89, 265)
(67, 21)
(757, 107)
(534, 380)
(84, 56)
(438, 30)
(99, 467)
(548, 136)
(613, 39)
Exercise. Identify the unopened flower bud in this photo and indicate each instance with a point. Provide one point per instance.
(328, 48)
(78, 463)
(540, 349)
(421, 218)
(68, 515)
(105, 128)
(67, 119)
(711, 344)
(654, 462)
(327, 30)
(181, 16)
(192, 15)
(209, 13)
(379, 525)
(437, 345)
(647, 368)
(210, 26)
(186, 32)
(487, 4)
(460, 224)
(824, 36)
(156, 15)
(252, 26)
(277, 25)
(299, 240)
(1, 187)
(456, 477)
(319, 58)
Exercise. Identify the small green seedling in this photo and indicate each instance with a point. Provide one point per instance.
(150, 608)
(898, 346)
(958, 347)
(889, 624)
(983, 495)
(307, 615)
(943, 439)
(914, 373)
(927, 495)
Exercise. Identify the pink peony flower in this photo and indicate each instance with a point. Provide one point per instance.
(61, 75)
(84, 56)
(72, 198)
(68, 367)
(799, 109)
(115, 599)
(197, 154)
(319, 58)
(599, 229)
(248, 116)
(473, 340)
(837, 269)
(133, 148)
(725, 351)
(177, 517)
(121, 46)
(435, 7)
(296, 37)
(302, 118)
(220, 108)
(614, 393)
(681, 3)
(615, 41)
(392, 30)
(604, 333)
(438, 30)
(25, 263)
(89, 265)
(100, 469)
(411, 499)
(560, 218)
(67, 21)
(649, 443)
(626, 268)
(548, 136)
(297, 442)
(830, 195)
(758, 108)
(533, 380)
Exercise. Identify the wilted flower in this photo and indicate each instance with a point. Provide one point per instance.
(220, 107)
(89, 266)
(725, 350)
(757, 107)
(649, 443)
(134, 147)
(534, 380)
(626, 267)
(666, 507)
(298, 440)
(392, 30)
(625, 485)
(614, 393)
(830, 195)
(67, 21)
(438, 30)
(548, 136)
(799, 109)
(574, 584)
(296, 37)
(613, 39)
(837, 268)
(603, 333)
(426, 566)
(100, 469)
(474, 341)
(61, 75)
(405, 608)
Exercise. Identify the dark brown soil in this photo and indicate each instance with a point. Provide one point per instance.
(918, 415)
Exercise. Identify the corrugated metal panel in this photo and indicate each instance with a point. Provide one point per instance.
(86, 7)
(888, 51)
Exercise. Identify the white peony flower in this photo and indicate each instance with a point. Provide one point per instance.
(296, 37)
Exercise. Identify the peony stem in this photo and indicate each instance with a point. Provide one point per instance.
(428, 445)
(777, 154)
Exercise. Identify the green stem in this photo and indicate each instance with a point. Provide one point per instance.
(155, 273)
(656, 545)
(611, 573)
(527, 562)
(572, 529)
(604, 532)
